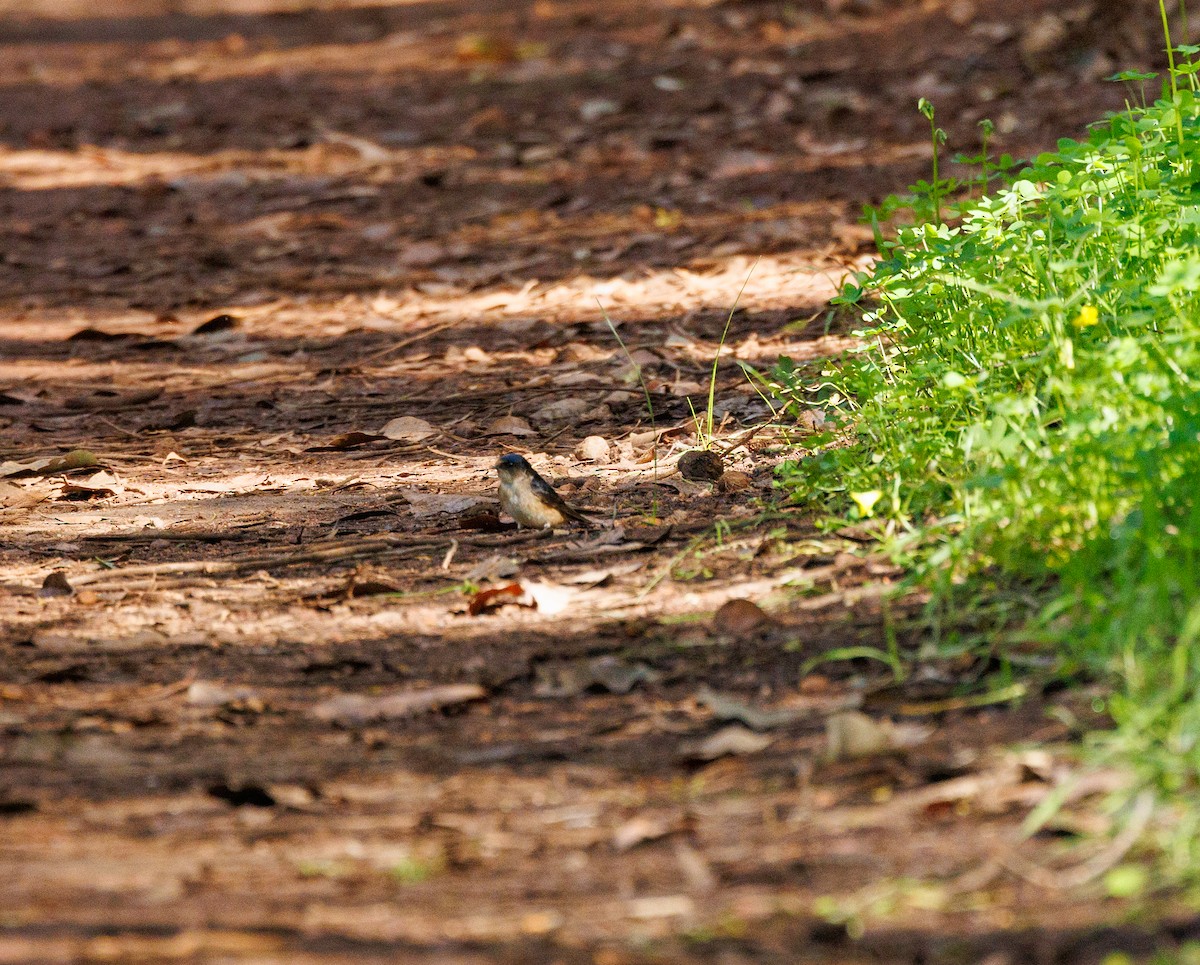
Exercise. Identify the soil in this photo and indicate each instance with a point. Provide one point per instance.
(298, 692)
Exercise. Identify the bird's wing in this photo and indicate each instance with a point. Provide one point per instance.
(544, 491)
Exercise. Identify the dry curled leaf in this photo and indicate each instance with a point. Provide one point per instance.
(573, 677)
(485, 601)
(218, 323)
(727, 708)
(56, 584)
(701, 465)
(99, 485)
(75, 459)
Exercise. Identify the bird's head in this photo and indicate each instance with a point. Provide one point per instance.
(511, 463)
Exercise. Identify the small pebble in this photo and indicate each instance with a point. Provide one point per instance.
(593, 449)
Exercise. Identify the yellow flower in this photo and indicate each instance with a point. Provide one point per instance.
(866, 501)
(1087, 317)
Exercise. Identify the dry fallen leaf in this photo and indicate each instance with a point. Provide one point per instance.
(643, 828)
(495, 567)
(422, 254)
(485, 601)
(701, 465)
(644, 439)
(361, 584)
(353, 710)
(853, 734)
(683, 387)
(596, 108)
(568, 679)
(106, 400)
(219, 323)
(509, 425)
(486, 48)
(734, 739)
(99, 485)
(210, 693)
(431, 504)
(407, 428)
(20, 497)
(726, 708)
(813, 419)
(1043, 35)
(345, 441)
(605, 575)
(662, 906)
(575, 377)
(569, 408)
(75, 459)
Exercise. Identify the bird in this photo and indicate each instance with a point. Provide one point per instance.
(529, 499)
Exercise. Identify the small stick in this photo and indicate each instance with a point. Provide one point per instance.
(341, 550)
(412, 339)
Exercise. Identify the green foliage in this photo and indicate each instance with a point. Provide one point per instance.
(1026, 396)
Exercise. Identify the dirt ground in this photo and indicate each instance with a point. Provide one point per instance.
(270, 711)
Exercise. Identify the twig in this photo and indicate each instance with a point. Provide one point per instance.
(750, 435)
(1093, 867)
(412, 339)
(451, 456)
(140, 695)
(341, 550)
(151, 536)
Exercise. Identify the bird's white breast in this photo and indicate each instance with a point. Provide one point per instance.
(518, 500)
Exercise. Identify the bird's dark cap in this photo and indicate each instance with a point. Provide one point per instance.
(511, 460)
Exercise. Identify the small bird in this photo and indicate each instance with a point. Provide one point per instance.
(529, 499)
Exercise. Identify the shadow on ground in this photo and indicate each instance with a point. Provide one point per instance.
(412, 209)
